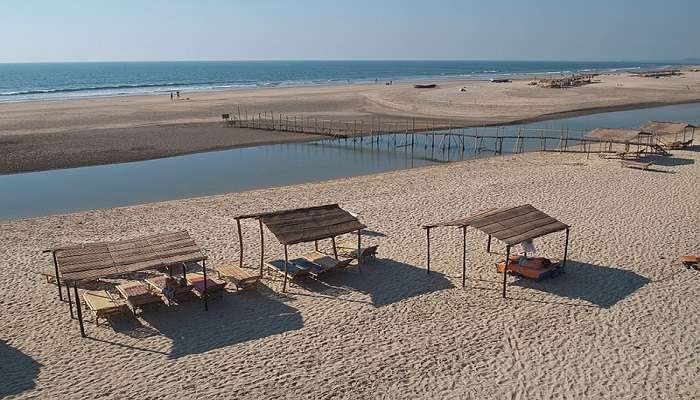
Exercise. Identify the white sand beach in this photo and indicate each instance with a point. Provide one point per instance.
(621, 323)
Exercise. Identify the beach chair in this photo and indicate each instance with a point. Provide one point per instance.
(324, 262)
(137, 295)
(102, 305)
(215, 286)
(636, 164)
(296, 268)
(366, 253)
(536, 268)
(238, 276)
(157, 284)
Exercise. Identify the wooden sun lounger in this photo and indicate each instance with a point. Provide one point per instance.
(240, 277)
(296, 268)
(326, 262)
(137, 295)
(214, 286)
(102, 304)
(677, 145)
(157, 284)
(636, 164)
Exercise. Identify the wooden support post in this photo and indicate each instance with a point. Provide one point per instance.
(566, 249)
(427, 232)
(78, 309)
(206, 292)
(488, 245)
(359, 247)
(505, 270)
(316, 245)
(70, 303)
(58, 280)
(335, 249)
(240, 242)
(286, 261)
(262, 247)
(464, 256)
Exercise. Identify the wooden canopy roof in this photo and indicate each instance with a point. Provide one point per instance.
(511, 225)
(308, 224)
(90, 261)
(666, 128)
(615, 135)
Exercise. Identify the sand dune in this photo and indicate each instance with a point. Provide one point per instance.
(621, 323)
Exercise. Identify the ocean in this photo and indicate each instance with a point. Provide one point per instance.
(41, 81)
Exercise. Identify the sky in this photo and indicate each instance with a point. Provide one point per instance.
(135, 30)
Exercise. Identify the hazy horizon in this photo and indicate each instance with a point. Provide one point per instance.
(276, 30)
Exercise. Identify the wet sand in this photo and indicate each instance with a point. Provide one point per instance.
(67, 133)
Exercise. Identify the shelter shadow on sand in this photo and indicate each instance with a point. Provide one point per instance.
(233, 318)
(596, 284)
(18, 371)
(668, 161)
(388, 281)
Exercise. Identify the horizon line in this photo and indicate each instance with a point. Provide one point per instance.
(687, 59)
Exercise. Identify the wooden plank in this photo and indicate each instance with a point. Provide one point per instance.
(502, 215)
(535, 233)
(193, 250)
(313, 224)
(521, 229)
(496, 227)
(321, 233)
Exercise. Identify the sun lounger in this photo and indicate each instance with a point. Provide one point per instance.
(295, 268)
(214, 286)
(366, 253)
(102, 304)
(533, 268)
(137, 295)
(677, 145)
(240, 277)
(636, 164)
(158, 284)
(325, 262)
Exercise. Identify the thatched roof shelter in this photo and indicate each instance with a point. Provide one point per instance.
(669, 128)
(616, 135)
(92, 261)
(511, 225)
(302, 225)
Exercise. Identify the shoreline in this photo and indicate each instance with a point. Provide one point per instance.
(484, 77)
(39, 136)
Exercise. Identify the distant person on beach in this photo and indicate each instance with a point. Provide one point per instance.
(171, 96)
(178, 94)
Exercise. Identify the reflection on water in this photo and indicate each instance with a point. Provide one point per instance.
(51, 192)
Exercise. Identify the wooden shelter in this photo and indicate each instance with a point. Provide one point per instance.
(92, 261)
(511, 225)
(675, 129)
(302, 225)
(633, 136)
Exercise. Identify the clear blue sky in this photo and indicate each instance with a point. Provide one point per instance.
(97, 30)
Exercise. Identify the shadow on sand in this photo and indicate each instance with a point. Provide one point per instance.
(667, 161)
(385, 281)
(599, 285)
(232, 318)
(18, 371)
